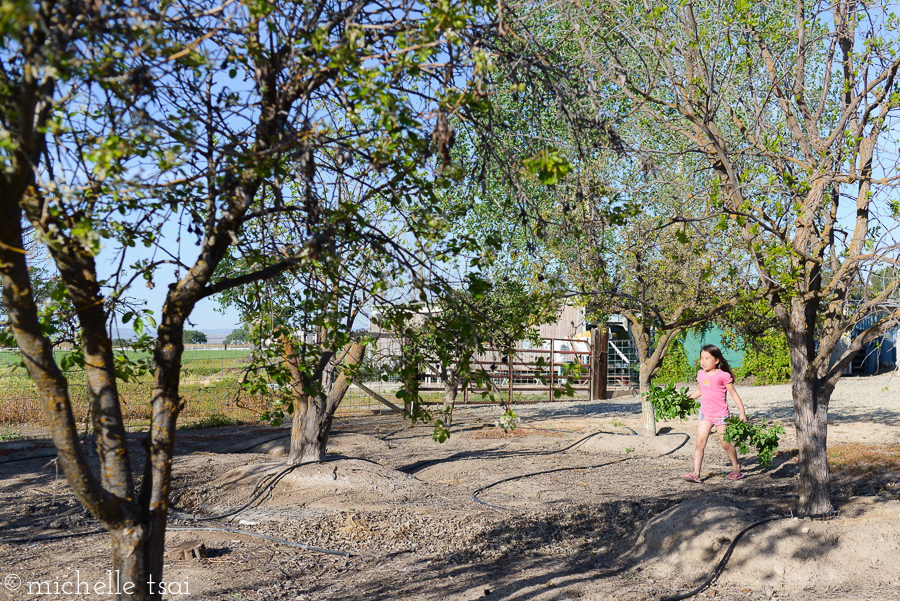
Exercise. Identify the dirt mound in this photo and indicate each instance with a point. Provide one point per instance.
(339, 443)
(686, 542)
(350, 481)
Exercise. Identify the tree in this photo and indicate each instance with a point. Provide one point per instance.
(790, 109)
(302, 327)
(635, 260)
(238, 336)
(753, 327)
(603, 230)
(118, 120)
(462, 323)
(194, 337)
(656, 274)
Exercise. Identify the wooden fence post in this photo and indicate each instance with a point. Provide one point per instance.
(594, 367)
(509, 358)
(599, 353)
(552, 369)
(602, 363)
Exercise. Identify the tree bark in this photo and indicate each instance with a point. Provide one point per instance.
(651, 362)
(648, 414)
(313, 415)
(811, 391)
(811, 394)
(310, 428)
(811, 422)
(641, 334)
(131, 576)
(451, 389)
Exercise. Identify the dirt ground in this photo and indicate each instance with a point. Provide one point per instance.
(609, 517)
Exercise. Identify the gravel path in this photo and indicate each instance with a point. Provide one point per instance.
(860, 399)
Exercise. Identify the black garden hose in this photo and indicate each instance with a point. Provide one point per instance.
(274, 480)
(5, 461)
(35, 539)
(720, 567)
(722, 563)
(266, 487)
(563, 469)
(50, 456)
(420, 465)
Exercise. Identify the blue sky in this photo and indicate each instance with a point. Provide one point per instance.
(207, 316)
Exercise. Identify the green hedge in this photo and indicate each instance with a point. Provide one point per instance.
(675, 366)
(767, 360)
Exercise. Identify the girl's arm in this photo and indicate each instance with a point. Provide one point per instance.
(737, 400)
(695, 394)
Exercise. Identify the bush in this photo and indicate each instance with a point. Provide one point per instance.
(767, 360)
(216, 420)
(675, 366)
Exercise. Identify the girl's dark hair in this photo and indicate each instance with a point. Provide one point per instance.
(713, 350)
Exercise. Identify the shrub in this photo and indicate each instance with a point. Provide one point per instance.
(216, 420)
(767, 359)
(675, 365)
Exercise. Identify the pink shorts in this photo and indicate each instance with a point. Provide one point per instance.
(716, 421)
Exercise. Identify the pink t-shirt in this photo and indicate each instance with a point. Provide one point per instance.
(712, 392)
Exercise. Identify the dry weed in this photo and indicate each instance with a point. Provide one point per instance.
(859, 459)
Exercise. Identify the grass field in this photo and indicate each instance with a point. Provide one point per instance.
(210, 386)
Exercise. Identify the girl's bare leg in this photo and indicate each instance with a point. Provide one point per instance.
(729, 450)
(703, 430)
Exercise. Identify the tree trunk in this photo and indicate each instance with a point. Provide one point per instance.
(313, 416)
(451, 389)
(310, 428)
(131, 574)
(648, 414)
(811, 395)
(641, 335)
(811, 421)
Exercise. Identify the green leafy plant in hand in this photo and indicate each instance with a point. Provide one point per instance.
(670, 403)
(762, 437)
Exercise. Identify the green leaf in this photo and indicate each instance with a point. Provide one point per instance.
(669, 403)
(548, 166)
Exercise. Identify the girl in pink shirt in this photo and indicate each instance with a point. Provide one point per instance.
(713, 381)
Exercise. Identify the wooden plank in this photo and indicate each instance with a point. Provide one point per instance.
(378, 397)
(603, 384)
